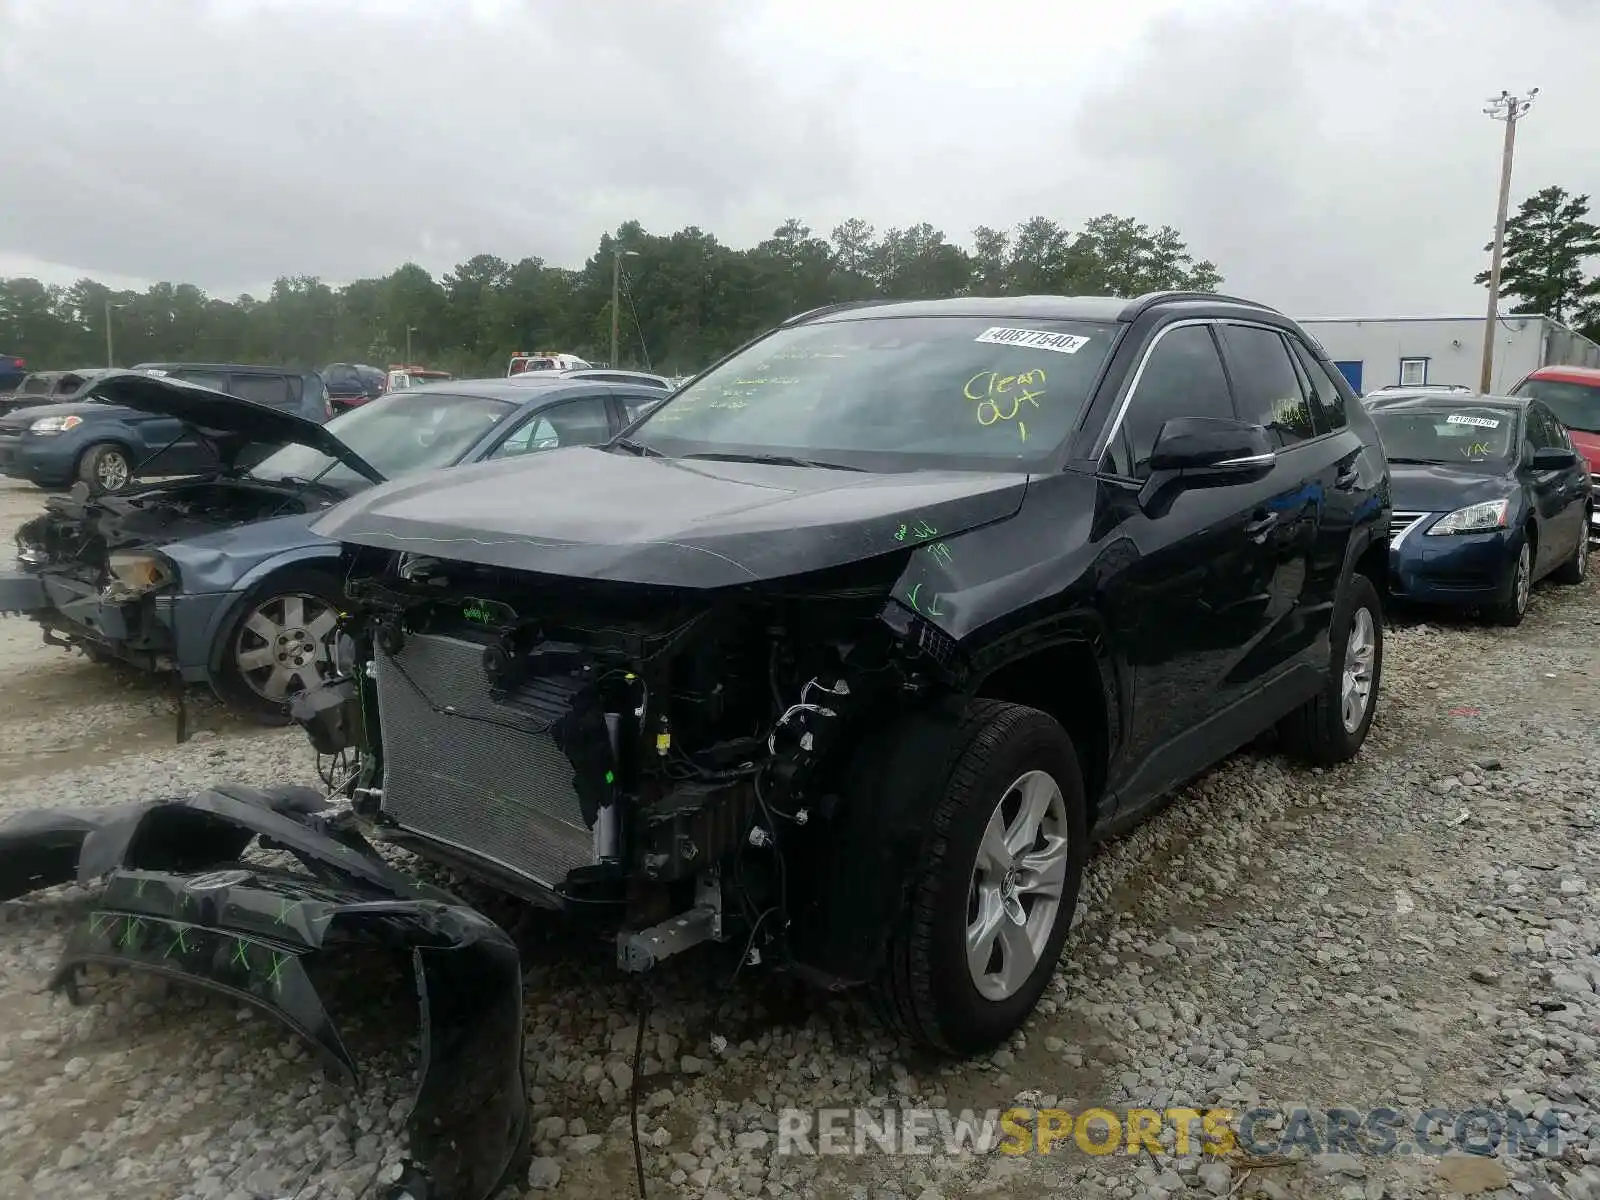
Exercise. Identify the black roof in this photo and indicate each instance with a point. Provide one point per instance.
(1039, 308)
(505, 389)
(1417, 403)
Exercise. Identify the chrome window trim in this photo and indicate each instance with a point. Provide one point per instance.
(1250, 460)
(1104, 441)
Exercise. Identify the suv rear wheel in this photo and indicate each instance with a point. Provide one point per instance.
(993, 899)
(1331, 727)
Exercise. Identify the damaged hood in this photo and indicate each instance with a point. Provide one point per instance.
(596, 514)
(228, 422)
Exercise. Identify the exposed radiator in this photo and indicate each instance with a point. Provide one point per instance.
(498, 788)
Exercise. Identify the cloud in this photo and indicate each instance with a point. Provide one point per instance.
(1329, 155)
(229, 143)
(1333, 158)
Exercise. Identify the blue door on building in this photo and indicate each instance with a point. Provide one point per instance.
(1352, 373)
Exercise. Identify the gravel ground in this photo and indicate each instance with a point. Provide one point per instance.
(1419, 928)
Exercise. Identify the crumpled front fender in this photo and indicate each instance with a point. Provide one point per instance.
(248, 932)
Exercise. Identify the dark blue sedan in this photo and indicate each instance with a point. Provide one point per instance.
(1489, 497)
(217, 576)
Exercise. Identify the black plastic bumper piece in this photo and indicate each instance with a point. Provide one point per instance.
(248, 932)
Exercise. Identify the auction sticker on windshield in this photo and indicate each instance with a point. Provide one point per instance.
(1479, 422)
(1033, 339)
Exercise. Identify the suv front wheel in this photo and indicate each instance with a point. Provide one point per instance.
(1331, 727)
(992, 901)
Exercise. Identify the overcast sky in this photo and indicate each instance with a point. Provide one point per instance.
(1330, 156)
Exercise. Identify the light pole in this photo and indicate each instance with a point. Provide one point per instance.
(616, 279)
(410, 329)
(1510, 109)
(111, 360)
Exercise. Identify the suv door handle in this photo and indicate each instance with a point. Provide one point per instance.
(1258, 529)
(1346, 479)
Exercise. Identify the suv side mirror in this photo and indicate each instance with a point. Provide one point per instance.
(1553, 458)
(1212, 449)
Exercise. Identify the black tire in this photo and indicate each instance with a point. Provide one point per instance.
(239, 685)
(1576, 569)
(1510, 611)
(105, 467)
(926, 990)
(1318, 731)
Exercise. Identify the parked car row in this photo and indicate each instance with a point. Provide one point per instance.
(106, 445)
(843, 653)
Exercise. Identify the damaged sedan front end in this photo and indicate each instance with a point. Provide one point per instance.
(144, 575)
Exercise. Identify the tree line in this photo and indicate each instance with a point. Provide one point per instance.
(685, 297)
(1550, 244)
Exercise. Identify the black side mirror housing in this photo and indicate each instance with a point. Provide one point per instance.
(1554, 458)
(1204, 449)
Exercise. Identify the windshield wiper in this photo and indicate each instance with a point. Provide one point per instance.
(638, 448)
(1420, 462)
(777, 460)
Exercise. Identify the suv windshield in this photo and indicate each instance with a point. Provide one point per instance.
(1460, 436)
(1576, 405)
(397, 434)
(909, 391)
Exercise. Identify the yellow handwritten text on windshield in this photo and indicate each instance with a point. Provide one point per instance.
(1001, 397)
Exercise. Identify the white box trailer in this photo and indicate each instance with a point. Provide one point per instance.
(1374, 352)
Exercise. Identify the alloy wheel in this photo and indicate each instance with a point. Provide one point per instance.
(1360, 649)
(1523, 585)
(286, 644)
(111, 470)
(1017, 881)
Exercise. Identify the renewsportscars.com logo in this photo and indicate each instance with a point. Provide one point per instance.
(1177, 1132)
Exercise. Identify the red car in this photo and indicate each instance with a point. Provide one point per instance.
(1573, 394)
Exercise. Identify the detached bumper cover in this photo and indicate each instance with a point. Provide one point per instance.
(21, 592)
(248, 932)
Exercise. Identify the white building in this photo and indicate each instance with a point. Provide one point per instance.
(1376, 351)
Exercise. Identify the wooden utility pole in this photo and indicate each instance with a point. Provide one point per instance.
(1510, 109)
(616, 279)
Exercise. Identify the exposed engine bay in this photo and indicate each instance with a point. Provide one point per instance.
(79, 530)
(670, 759)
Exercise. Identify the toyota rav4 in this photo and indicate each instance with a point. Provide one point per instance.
(845, 653)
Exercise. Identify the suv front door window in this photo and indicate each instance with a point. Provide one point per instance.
(1181, 377)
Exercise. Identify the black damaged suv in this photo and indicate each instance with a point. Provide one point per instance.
(843, 655)
(850, 649)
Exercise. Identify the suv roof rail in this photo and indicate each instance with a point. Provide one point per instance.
(1140, 305)
(841, 306)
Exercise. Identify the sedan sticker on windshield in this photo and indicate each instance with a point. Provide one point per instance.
(1033, 339)
(1479, 422)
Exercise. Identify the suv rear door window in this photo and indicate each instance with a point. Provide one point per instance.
(1325, 394)
(271, 390)
(1267, 385)
(1183, 377)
